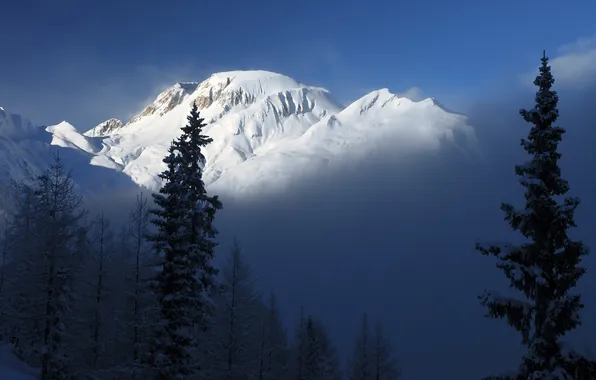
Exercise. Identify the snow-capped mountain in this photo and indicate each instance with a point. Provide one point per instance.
(249, 114)
(267, 129)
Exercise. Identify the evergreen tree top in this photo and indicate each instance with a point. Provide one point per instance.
(545, 112)
(546, 267)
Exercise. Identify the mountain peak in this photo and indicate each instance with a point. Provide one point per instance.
(231, 88)
(254, 81)
(104, 128)
(167, 100)
(228, 88)
(215, 97)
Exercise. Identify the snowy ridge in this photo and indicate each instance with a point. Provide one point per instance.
(379, 121)
(26, 150)
(65, 135)
(267, 130)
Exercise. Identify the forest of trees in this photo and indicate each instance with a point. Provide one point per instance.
(82, 299)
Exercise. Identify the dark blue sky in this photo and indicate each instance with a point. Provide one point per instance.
(86, 61)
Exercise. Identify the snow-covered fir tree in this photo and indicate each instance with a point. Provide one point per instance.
(237, 324)
(546, 267)
(44, 270)
(185, 240)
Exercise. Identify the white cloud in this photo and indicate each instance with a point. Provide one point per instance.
(412, 93)
(580, 45)
(574, 65)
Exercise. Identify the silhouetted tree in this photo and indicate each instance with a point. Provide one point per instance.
(546, 267)
(184, 239)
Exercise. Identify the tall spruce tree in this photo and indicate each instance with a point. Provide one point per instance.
(546, 267)
(184, 239)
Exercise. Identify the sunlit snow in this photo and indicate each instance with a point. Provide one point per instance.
(267, 129)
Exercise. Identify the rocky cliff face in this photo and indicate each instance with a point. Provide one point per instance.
(167, 100)
(106, 128)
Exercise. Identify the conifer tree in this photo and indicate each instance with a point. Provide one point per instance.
(275, 345)
(18, 283)
(320, 361)
(137, 298)
(300, 346)
(236, 323)
(184, 239)
(45, 269)
(546, 267)
(384, 365)
(373, 358)
(360, 363)
(100, 298)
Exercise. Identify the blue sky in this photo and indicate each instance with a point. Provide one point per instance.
(86, 61)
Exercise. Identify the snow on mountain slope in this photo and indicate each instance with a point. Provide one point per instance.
(26, 150)
(378, 122)
(65, 135)
(268, 129)
(384, 120)
(248, 113)
(22, 153)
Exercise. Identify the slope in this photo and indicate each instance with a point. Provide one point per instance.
(26, 150)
